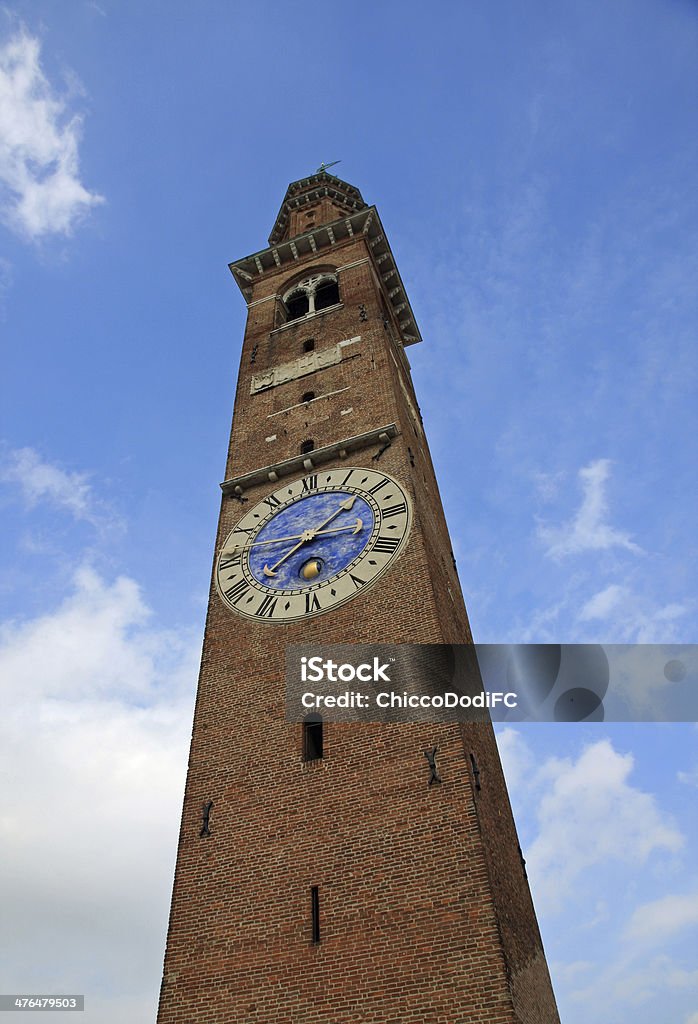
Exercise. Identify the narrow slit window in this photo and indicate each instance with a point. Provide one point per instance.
(476, 772)
(309, 345)
(312, 739)
(308, 396)
(307, 446)
(315, 912)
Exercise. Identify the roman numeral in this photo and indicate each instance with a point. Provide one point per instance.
(386, 545)
(311, 603)
(237, 590)
(225, 563)
(394, 510)
(272, 501)
(267, 606)
(310, 483)
(356, 581)
(247, 530)
(346, 478)
(377, 487)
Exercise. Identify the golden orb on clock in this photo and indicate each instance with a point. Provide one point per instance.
(311, 569)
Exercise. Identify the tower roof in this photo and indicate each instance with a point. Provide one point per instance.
(310, 190)
(343, 215)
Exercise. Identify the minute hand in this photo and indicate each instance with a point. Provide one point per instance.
(309, 534)
(355, 526)
(345, 506)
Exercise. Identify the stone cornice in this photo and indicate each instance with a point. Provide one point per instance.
(237, 485)
(319, 243)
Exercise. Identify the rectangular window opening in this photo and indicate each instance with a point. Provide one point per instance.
(312, 741)
(315, 912)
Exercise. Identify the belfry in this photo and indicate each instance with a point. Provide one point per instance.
(310, 889)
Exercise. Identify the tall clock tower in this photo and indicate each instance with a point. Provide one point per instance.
(320, 879)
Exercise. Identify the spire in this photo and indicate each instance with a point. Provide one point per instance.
(319, 199)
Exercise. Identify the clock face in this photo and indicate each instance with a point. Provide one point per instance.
(313, 544)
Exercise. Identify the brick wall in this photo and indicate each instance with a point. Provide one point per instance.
(425, 912)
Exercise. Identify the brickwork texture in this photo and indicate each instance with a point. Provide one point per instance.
(425, 913)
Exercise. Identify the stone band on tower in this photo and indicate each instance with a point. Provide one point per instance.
(321, 878)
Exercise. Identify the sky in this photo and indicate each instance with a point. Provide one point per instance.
(534, 166)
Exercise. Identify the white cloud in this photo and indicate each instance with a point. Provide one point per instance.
(93, 740)
(517, 758)
(630, 617)
(628, 983)
(40, 481)
(592, 821)
(601, 915)
(689, 778)
(619, 614)
(662, 919)
(588, 529)
(547, 484)
(544, 626)
(95, 642)
(40, 188)
(603, 602)
(692, 1019)
(591, 815)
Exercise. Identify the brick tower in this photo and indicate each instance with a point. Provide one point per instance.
(319, 879)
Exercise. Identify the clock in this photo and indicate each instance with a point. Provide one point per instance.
(313, 544)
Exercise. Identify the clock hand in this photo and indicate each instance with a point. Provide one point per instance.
(354, 527)
(259, 543)
(343, 507)
(307, 535)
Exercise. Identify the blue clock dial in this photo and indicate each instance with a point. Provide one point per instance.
(313, 544)
(284, 557)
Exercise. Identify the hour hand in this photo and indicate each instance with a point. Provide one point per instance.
(305, 536)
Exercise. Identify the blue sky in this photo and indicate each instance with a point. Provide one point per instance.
(534, 166)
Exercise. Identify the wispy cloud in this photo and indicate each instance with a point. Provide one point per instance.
(628, 983)
(618, 611)
(602, 603)
(588, 530)
(40, 188)
(657, 922)
(689, 778)
(41, 481)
